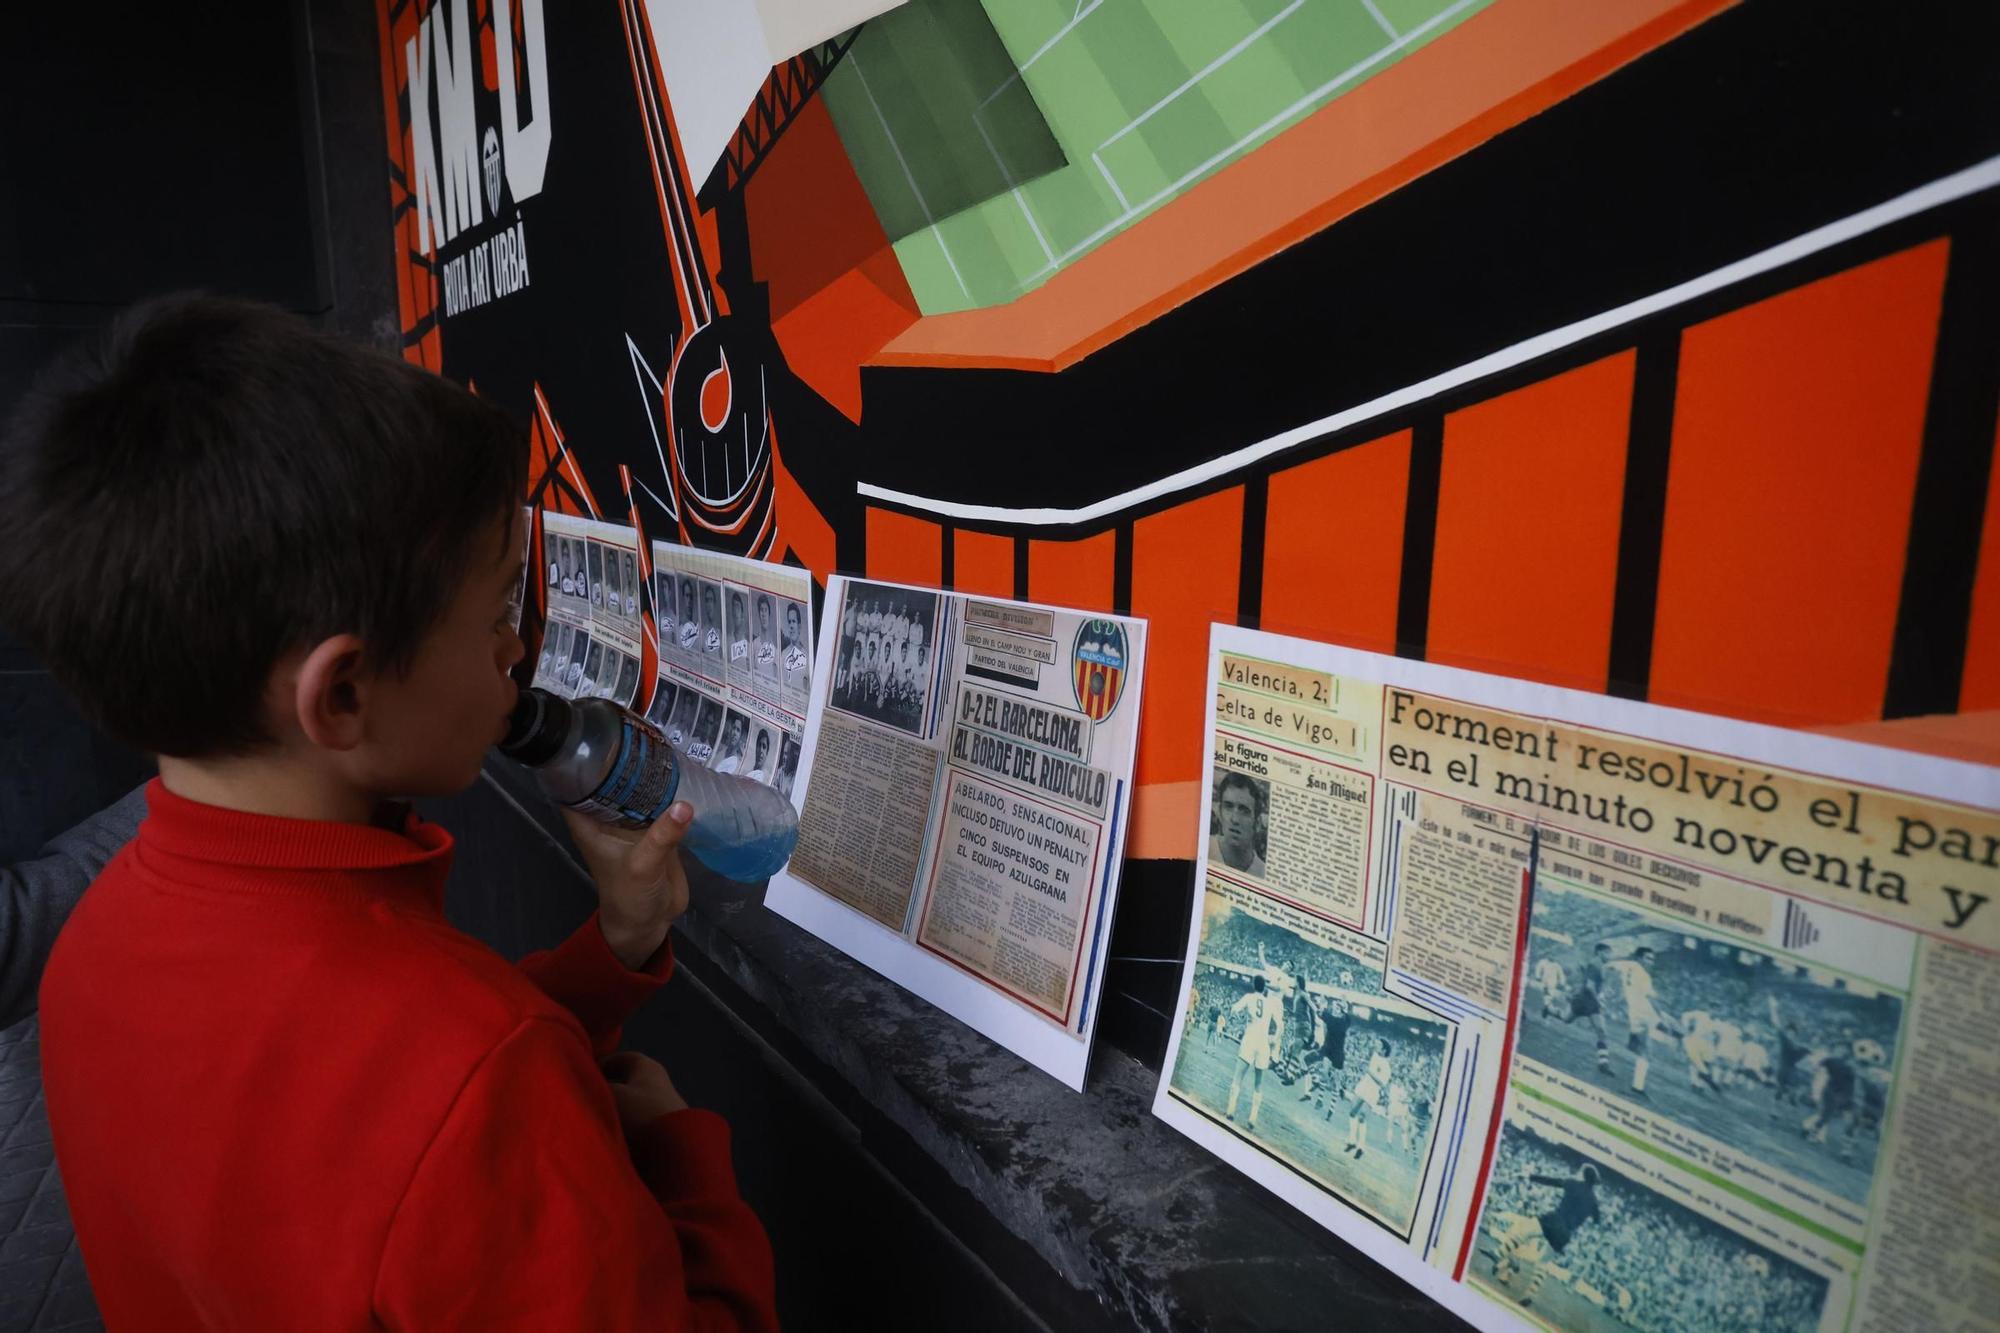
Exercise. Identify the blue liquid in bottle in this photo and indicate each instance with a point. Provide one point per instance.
(594, 757)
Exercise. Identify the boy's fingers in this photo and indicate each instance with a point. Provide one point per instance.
(588, 832)
(660, 840)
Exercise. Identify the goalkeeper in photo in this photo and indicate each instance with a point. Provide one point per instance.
(1778, 1059)
(1581, 1246)
(1238, 828)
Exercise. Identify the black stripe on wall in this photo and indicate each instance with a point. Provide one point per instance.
(1121, 570)
(1643, 516)
(1933, 619)
(1021, 568)
(1420, 513)
(1250, 576)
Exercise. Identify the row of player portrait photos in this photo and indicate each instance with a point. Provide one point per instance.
(588, 580)
(761, 642)
(586, 575)
(1745, 1047)
(592, 577)
(584, 667)
(762, 639)
(728, 740)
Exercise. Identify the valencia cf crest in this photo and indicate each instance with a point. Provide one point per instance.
(1100, 667)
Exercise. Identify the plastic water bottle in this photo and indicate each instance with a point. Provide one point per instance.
(596, 758)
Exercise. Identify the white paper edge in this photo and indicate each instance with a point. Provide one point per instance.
(984, 1008)
(1845, 760)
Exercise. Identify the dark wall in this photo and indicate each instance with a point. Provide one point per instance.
(169, 148)
(175, 152)
(150, 149)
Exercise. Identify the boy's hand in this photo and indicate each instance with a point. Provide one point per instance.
(641, 1088)
(641, 887)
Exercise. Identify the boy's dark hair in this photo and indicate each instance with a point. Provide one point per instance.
(244, 485)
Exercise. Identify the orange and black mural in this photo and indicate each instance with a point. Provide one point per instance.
(1648, 348)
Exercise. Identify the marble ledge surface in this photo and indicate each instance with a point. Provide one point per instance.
(1153, 1230)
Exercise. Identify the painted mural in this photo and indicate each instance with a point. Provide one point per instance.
(1645, 348)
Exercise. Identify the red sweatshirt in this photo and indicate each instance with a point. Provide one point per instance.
(285, 1093)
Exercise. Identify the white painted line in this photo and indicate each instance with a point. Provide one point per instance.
(640, 368)
(568, 457)
(1020, 200)
(853, 58)
(670, 510)
(1034, 226)
(1207, 70)
(1112, 181)
(1981, 176)
(1294, 109)
(1376, 14)
(1083, 12)
(664, 177)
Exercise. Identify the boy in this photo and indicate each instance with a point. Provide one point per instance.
(283, 1091)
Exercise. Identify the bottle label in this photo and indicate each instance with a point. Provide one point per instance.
(642, 780)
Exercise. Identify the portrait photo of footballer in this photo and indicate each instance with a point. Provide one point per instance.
(662, 706)
(1238, 822)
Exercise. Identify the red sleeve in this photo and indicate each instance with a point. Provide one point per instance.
(583, 976)
(526, 1212)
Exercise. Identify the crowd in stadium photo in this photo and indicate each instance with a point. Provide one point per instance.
(1586, 1247)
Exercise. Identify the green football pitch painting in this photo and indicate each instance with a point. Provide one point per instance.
(1001, 141)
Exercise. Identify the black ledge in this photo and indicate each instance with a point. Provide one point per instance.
(1092, 1212)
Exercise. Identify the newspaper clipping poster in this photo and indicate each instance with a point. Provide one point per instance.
(593, 625)
(968, 771)
(1587, 1014)
(735, 661)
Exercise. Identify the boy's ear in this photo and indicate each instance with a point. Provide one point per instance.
(329, 693)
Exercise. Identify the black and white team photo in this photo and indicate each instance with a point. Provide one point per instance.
(882, 666)
(788, 765)
(764, 637)
(687, 640)
(729, 755)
